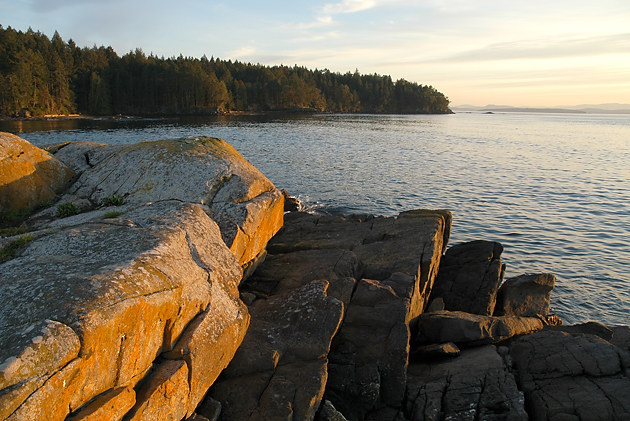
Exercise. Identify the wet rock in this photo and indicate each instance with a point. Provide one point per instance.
(280, 370)
(475, 386)
(572, 375)
(469, 277)
(29, 176)
(525, 295)
(472, 329)
(291, 203)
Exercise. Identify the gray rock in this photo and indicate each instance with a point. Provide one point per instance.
(475, 386)
(566, 375)
(75, 154)
(471, 329)
(369, 355)
(469, 277)
(244, 203)
(280, 370)
(525, 295)
(327, 412)
(425, 352)
(589, 328)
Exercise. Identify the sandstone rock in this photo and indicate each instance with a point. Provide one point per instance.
(164, 394)
(469, 277)
(368, 358)
(243, 202)
(29, 176)
(472, 329)
(280, 371)
(126, 291)
(525, 295)
(565, 375)
(474, 386)
(112, 405)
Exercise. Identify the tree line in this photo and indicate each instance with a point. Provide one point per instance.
(42, 76)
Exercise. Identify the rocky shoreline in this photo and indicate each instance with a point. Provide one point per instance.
(187, 286)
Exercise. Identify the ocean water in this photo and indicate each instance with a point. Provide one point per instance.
(554, 189)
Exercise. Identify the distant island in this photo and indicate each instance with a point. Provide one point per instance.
(41, 76)
(575, 109)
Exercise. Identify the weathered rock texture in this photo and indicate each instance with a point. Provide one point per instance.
(525, 295)
(472, 329)
(395, 261)
(477, 385)
(470, 275)
(572, 376)
(93, 309)
(29, 176)
(280, 370)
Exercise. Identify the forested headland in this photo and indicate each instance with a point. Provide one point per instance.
(48, 76)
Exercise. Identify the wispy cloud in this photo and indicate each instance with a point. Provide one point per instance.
(320, 22)
(348, 6)
(545, 48)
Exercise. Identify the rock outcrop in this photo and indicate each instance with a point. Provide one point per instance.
(470, 275)
(100, 306)
(29, 176)
(139, 314)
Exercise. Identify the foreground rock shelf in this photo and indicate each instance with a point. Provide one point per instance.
(189, 301)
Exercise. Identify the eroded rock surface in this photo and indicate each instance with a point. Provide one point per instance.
(572, 376)
(477, 385)
(280, 370)
(207, 171)
(88, 309)
(469, 277)
(525, 295)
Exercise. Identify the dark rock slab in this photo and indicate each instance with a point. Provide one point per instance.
(368, 358)
(471, 329)
(588, 328)
(572, 375)
(525, 295)
(434, 351)
(475, 386)
(469, 277)
(280, 370)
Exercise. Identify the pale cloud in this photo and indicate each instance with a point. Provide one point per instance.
(348, 6)
(320, 22)
(241, 52)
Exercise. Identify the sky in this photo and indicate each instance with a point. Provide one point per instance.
(479, 52)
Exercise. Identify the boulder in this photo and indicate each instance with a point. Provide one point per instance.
(89, 309)
(208, 171)
(280, 370)
(477, 385)
(471, 329)
(368, 358)
(469, 277)
(29, 176)
(525, 295)
(434, 351)
(111, 405)
(572, 376)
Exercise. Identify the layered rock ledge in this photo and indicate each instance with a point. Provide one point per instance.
(176, 295)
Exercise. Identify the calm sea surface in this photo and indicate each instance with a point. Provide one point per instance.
(553, 188)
